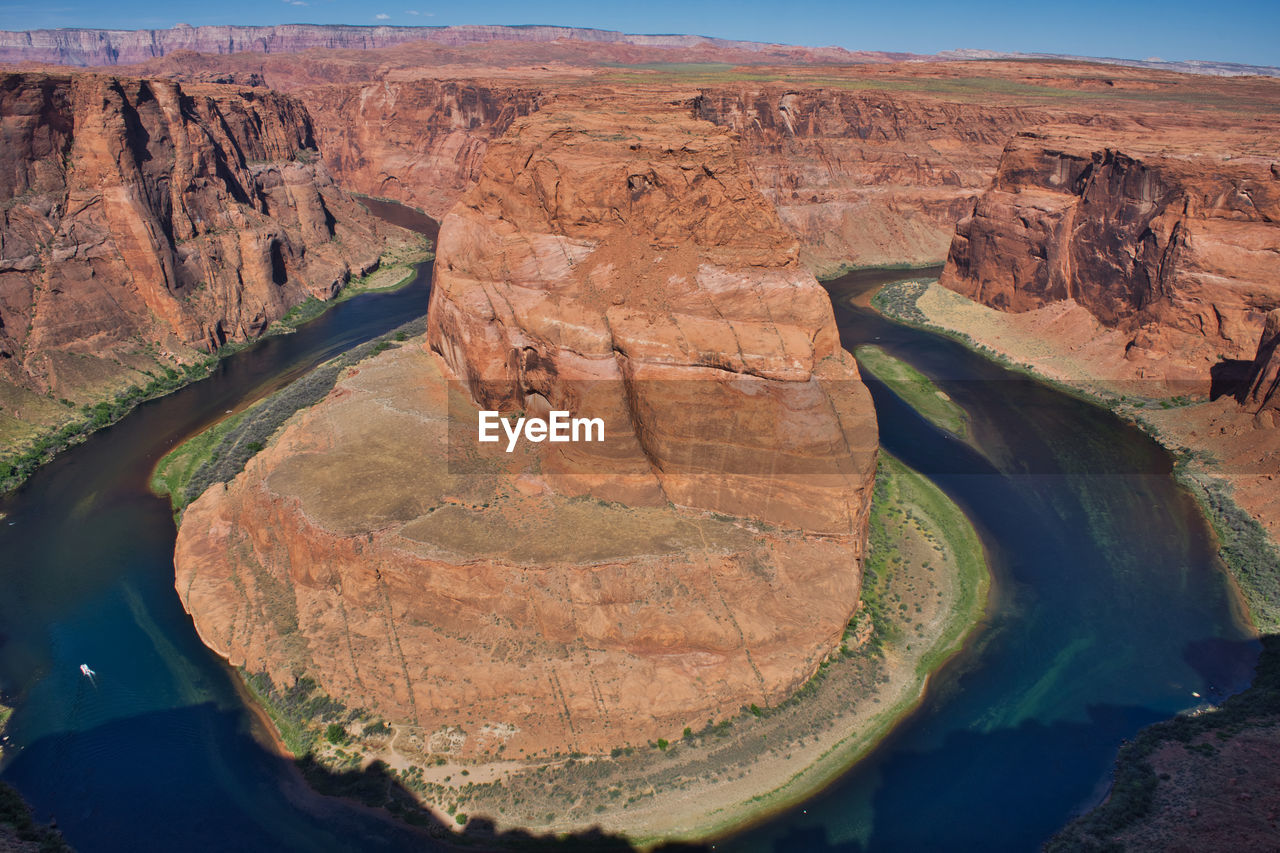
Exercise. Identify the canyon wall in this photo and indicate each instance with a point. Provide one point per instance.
(866, 178)
(416, 141)
(1261, 388)
(862, 178)
(617, 262)
(1173, 247)
(144, 220)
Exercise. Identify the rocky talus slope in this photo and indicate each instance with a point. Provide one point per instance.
(145, 220)
(619, 264)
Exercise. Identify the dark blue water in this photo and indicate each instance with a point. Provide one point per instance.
(159, 755)
(1108, 611)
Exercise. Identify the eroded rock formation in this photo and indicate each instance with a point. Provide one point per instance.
(866, 178)
(615, 263)
(145, 218)
(1171, 247)
(622, 263)
(416, 141)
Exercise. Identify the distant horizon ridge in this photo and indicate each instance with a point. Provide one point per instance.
(50, 45)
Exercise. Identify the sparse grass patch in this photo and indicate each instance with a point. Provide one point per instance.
(1243, 544)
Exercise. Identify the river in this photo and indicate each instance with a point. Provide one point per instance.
(1109, 609)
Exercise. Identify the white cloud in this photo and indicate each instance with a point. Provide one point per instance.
(381, 16)
(296, 2)
(410, 12)
(415, 12)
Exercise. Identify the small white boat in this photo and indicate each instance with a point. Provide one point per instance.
(86, 672)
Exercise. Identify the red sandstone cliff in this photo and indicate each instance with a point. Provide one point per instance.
(416, 141)
(866, 178)
(1171, 246)
(618, 263)
(144, 218)
(622, 262)
(1262, 387)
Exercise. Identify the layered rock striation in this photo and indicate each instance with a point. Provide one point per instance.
(1172, 248)
(622, 263)
(866, 178)
(416, 141)
(618, 264)
(144, 220)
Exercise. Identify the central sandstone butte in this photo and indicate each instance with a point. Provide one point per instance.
(617, 261)
(584, 264)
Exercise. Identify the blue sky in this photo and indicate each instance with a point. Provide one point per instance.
(1230, 30)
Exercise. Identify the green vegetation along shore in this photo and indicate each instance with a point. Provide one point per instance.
(18, 830)
(23, 450)
(219, 453)
(915, 389)
(1186, 781)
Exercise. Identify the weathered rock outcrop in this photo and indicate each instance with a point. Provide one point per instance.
(1172, 247)
(1262, 388)
(144, 218)
(867, 163)
(622, 264)
(618, 264)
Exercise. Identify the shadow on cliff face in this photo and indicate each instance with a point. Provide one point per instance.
(1230, 378)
